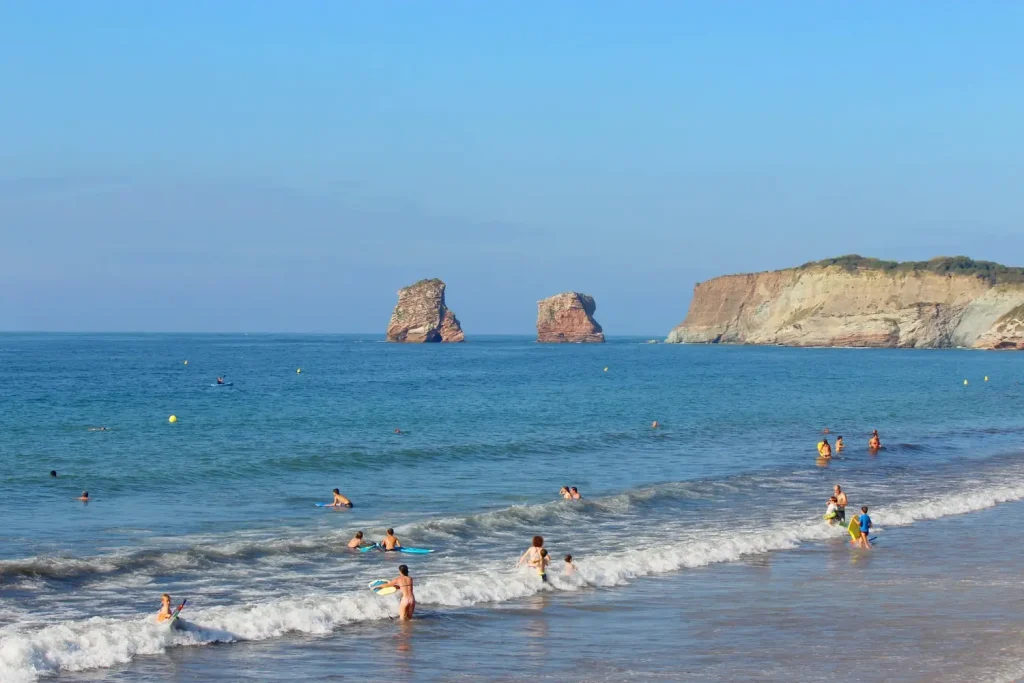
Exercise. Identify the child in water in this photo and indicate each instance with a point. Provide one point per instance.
(570, 566)
(839, 444)
(865, 527)
(340, 501)
(357, 541)
(165, 609)
(544, 562)
(832, 510)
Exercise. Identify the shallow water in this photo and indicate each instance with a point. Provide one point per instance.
(700, 546)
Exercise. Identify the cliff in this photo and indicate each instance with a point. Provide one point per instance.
(422, 316)
(568, 317)
(852, 301)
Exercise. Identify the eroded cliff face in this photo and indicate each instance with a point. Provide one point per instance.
(833, 306)
(568, 318)
(422, 316)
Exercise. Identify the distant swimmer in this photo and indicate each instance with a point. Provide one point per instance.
(357, 541)
(655, 425)
(841, 501)
(570, 566)
(865, 526)
(831, 510)
(564, 492)
(97, 429)
(574, 494)
(220, 380)
(340, 501)
(824, 449)
(403, 583)
(398, 431)
(839, 444)
(165, 612)
(84, 497)
(874, 443)
(532, 556)
(53, 473)
(825, 430)
(390, 541)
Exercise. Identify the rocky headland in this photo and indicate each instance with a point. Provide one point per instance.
(421, 315)
(855, 301)
(568, 318)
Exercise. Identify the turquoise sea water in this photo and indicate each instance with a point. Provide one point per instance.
(218, 507)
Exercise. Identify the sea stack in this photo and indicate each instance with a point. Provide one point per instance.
(855, 301)
(568, 318)
(421, 315)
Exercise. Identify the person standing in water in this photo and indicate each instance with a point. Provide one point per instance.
(403, 583)
(165, 612)
(84, 497)
(865, 526)
(839, 444)
(841, 502)
(532, 556)
(824, 449)
(874, 443)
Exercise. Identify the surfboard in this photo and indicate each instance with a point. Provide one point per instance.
(416, 551)
(382, 591)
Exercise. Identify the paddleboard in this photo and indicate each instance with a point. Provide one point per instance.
(330, 505)
(382, 591)
(225, 384)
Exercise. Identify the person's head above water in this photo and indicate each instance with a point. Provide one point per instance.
(864, 509)
(53, 473)
(403, 569)
(390, 532)
(165, 598)
(538, 541)
(573, 489)
(838, 490)
(543, 553)
(337, 491)
(359, 534)
(568, 558)
(85, 494)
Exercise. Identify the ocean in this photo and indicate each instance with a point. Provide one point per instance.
(700, 549)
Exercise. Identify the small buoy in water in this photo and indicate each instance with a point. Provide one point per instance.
(172, 418)
(186, 362)
(986, 378)
(965, 383)
(606, 368)
(298, 370)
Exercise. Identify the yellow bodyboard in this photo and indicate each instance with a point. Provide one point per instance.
(854, 529)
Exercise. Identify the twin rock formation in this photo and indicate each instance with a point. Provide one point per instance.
(422, 316)
(854, 301)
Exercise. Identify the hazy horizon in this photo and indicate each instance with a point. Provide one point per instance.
(287, 168)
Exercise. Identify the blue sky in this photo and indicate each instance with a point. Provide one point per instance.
(199, 166)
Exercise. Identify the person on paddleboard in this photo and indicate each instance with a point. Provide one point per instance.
(220, 380)
(390, 541)
(357, 541)
(340, 501)
(403, 583)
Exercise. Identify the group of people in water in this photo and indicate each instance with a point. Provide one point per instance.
(537, 557)
(570, 493)
(825, 448)
(835, 512)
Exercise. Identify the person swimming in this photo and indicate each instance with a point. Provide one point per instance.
(839, 444)
(340, 500)
(390, 541)
(824, 449)
(570, 566)
(84, 497)
(357, 541)
(655, 425)
(574, 494)
(165, 612)
(53, 473)
(220, 380)
(565, 493)
(874, 443)
(403, 582)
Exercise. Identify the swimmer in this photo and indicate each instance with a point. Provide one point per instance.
(824, 449)
(831, 510)
(655, 425)
(574, 494)
(84, 497)
(398, 431)
(220, 380)
(97, 429)
(532, 556)
(53, 473)
(825, 430)
(403, 583)
(357, 541)
(570, 566)
(340, 500)
(841, 503)
(874, 443)
(165, 612)
(839, 444)
(564, 493)
(391, 541)
(544, 562)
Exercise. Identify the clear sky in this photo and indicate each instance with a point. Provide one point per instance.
(287, 166)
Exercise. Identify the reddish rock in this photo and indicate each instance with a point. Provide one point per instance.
(568, 318)
(421, 315)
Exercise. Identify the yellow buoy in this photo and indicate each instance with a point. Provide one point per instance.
(606, 369)
(186, 362)
(298, 370)
(986, 378)
(965, 383)
(172, 418)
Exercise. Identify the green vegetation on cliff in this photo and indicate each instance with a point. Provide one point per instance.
(994, 273)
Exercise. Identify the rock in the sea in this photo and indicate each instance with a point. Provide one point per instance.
(853, 301)
(421, 315)
(568, 317)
